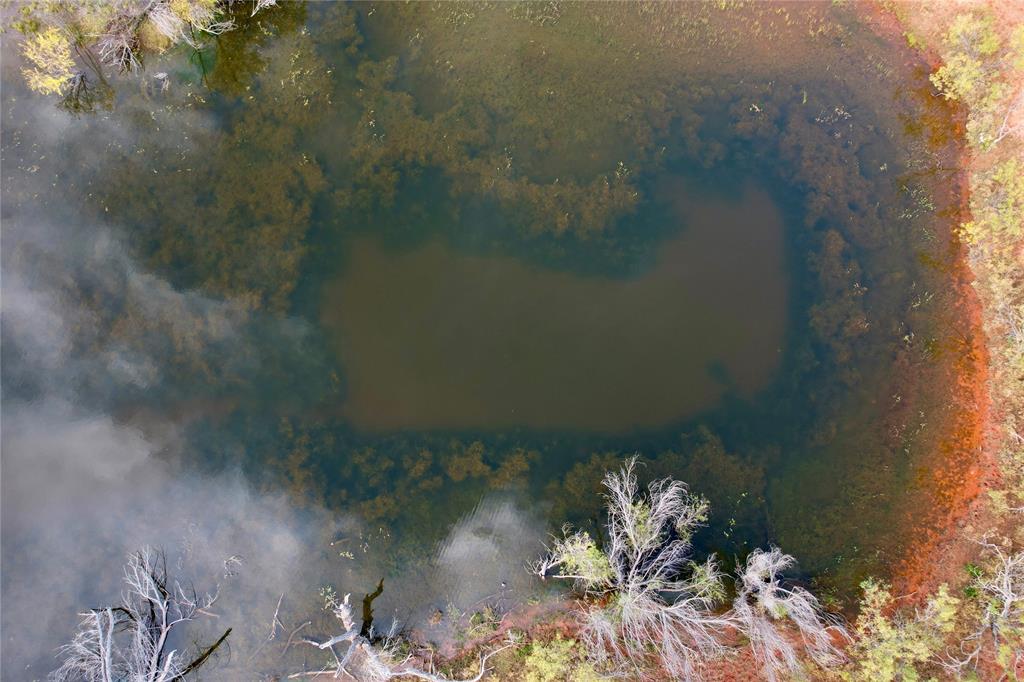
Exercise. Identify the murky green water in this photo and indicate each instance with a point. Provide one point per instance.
(458, 250)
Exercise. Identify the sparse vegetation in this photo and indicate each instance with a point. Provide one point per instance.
(643, 585)
(977, 635)
(763, 602)
(556, 660)
(998, 207)
(366, 656)
(992, 624)
(892, 645)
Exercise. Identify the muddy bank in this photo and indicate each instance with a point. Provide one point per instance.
(966, 467)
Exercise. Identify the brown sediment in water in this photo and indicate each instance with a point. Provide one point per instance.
(433, 338)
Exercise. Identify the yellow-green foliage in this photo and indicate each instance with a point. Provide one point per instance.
(556, 661)
(998, 202)
(51, 28)
(151, 39)
(1011, 642)
(583, 558)
(974, 33)
(90, 18)
(1002, 607)
(973, 41)
(889, 646)
(975, 73)
(193, 11)
(49, 53)
(912, 40)
(1017, 48)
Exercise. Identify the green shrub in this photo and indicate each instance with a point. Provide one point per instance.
(977, 73)
(557, 660)
(998, 203)
(893, 646)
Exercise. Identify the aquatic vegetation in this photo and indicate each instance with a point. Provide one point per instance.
(244, 235)
(513, 468)
(393, 143)
(982, 68)
(734, 485)
(541, 132)
(231, 63)
(839, 319)
(860, 208)
(582, 482)
(468, 463)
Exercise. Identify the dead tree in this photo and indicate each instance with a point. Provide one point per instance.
(998, 631)
(367, 657)
(767, 611)
(132, 641)
(645, 591)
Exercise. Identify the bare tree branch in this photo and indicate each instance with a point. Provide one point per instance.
(130, 641)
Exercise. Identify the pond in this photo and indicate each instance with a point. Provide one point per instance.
(435, 268)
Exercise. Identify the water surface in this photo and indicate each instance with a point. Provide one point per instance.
(430, 338)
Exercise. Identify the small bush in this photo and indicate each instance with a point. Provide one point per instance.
(557, 660)
(998, 203)
(52, 67)
(892, 646)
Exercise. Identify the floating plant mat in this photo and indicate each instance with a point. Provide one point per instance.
(476, 250)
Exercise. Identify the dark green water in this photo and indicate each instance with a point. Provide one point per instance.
(475, 250)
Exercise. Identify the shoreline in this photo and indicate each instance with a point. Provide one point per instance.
(973, 439)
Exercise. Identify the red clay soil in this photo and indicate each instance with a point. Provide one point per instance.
(964, 465)
(962, 468)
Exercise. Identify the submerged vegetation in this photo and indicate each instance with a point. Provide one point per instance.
(953, 632)
(387, 121)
